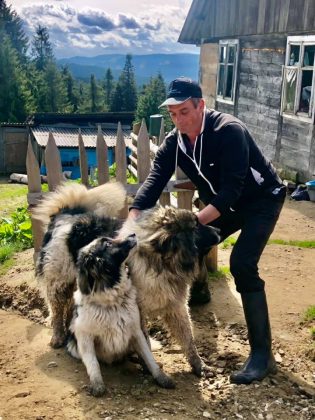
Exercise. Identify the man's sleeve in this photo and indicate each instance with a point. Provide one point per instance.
(160, 173)
(234, 162)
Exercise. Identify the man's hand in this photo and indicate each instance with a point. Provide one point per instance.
(134, 214)
(208, 214)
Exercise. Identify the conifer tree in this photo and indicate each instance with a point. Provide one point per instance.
(151, 97)
(126, 88)
(42, 51)
(108, 87)
(94, 92)
(71, 89)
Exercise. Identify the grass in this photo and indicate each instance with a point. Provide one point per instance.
(6, 254)
(310, 314)
(221, 273)
(12, 196)
(230, 241)
(300, 244)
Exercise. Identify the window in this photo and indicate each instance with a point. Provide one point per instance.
(298, 77)
(228, 55)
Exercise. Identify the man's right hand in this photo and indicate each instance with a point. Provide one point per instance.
(134, 214)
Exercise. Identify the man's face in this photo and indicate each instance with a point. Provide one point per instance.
(186, 117)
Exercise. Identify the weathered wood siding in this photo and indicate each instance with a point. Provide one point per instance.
(208, 72)
(13, 146)
(296, 147)
(259, 95)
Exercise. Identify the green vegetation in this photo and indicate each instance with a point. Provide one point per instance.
(221, 273)
(228, 242)
(310, 314)
(301, 244)
(312, 331)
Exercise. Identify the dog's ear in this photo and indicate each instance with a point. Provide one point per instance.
(207, 236)
(121, 249)
(85, 280)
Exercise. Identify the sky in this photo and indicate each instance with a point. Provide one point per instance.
(93, 27)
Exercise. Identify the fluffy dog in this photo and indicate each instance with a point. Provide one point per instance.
(164, 265)
(73, 217)
(106, 325)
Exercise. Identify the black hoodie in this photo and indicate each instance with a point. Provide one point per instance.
(231, 170)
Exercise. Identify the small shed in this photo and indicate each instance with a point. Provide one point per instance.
(257, 62)
(65, 129)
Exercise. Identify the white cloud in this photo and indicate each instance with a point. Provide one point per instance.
(152, 28)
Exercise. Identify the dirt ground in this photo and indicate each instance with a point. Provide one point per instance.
(37, 382)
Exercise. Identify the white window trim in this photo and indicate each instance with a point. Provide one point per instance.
(222, 43)
(302, 41)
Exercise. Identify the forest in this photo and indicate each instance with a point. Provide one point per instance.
(31, 81)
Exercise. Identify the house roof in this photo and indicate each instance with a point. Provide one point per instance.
(210, 20)
(68, 136)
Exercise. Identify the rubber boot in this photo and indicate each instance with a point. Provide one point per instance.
(199, 292)
(260, 362)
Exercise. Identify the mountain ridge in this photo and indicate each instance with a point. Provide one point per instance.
(145, 66)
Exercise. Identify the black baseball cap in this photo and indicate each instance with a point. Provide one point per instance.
(180, 90)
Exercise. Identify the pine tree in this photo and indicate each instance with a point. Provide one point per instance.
(94, 91)
(42, 51)
(71, 89)
(12, 26)
(126, 89)
(148, 104)
(108, 87)
(15, 96)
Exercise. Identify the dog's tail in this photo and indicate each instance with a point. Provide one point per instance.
(107, 199)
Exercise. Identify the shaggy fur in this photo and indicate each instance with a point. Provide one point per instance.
(164, 265)
(73, 217)
(106, 325)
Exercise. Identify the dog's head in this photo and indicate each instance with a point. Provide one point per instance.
(177, 239)
(100, 263)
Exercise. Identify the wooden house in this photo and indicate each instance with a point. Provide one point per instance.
(257, 62)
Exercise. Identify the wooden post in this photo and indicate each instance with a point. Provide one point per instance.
(121, 164)
(83, 161)
(165, 199)
(53, 164)
(102, 158)
(184, 198)
(34, 187)
(143, 153)
(212, 257)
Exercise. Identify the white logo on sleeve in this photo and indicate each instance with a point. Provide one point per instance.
(257, 175)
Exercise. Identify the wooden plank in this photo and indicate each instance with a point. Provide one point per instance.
(83, 161)
(143, 152)
(102, 158)
(32, 169)
(165, 198)
(212, 257)
(120, 153)
(184, 199)
(53, 164)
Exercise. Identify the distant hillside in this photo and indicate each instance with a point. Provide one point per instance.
(146, 66)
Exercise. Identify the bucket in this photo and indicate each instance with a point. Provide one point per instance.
(311, 189)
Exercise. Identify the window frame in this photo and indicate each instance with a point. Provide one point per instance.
(222, 43)
(302, 42)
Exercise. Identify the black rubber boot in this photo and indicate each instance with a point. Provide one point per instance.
(261, 361)
(199, 292)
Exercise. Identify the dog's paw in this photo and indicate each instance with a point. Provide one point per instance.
(97, 389)
(197, 367)
(165, 381)
(57, 341)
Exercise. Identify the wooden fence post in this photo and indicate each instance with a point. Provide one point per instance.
(34, 188)
(121, 164)
(53, 164)
(143, 153)
(165, 198)
(102, 158)
(212, 256)
(83, 161)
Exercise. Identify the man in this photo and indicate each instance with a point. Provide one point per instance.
(240, 189)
